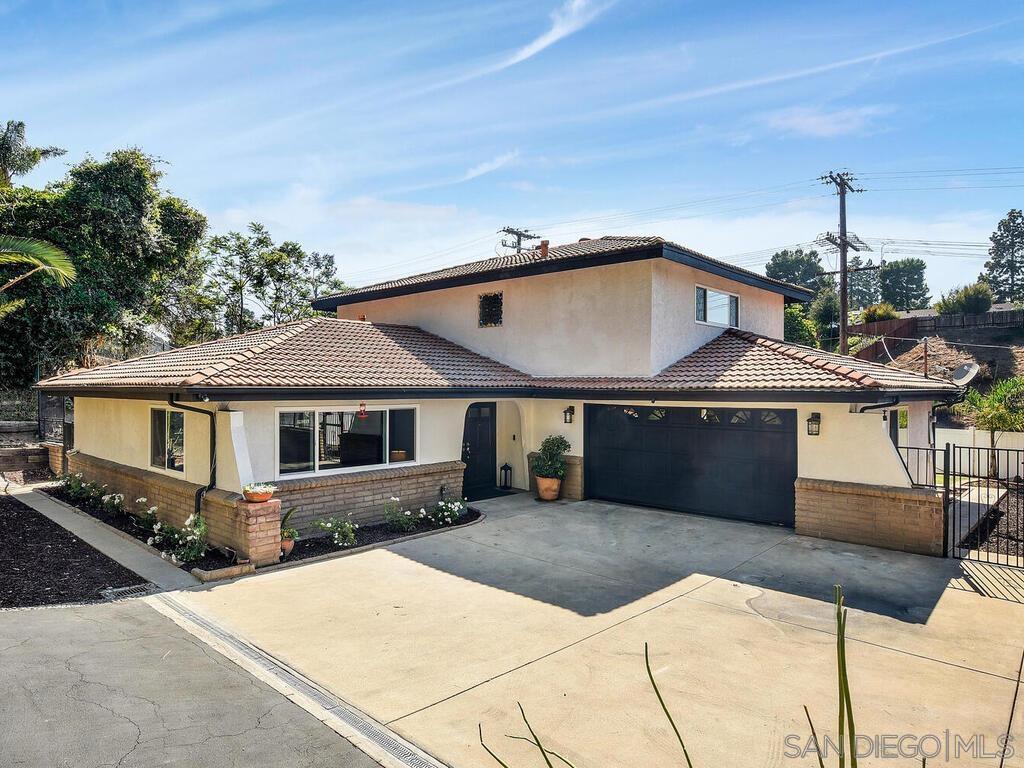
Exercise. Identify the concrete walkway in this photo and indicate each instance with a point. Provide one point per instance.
(116, 545)
(117, 684)
(551, 605)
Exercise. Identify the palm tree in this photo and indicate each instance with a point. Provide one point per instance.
(37, 254)
(1001, 409)
(16, 157)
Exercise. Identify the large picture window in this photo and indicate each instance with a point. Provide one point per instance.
(328, 440)
(717, 308)
(167, 439)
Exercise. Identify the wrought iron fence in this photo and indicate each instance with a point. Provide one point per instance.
(54, 413)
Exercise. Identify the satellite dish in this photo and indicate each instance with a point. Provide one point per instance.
(965, 374)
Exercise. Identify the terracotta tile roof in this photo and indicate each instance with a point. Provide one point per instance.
(328, 353)
(609, 244)
(319, 352)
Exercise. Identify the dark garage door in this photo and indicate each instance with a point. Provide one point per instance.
(727, 462)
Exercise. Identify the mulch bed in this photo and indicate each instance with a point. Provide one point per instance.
(213, 558)
(370, 534)
(44, 564)
(1002, 530)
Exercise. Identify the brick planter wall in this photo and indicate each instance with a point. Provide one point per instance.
(572, 483)
(363, 494)
(56, 457)
(23, 458)
(253, 531)
(905, 519)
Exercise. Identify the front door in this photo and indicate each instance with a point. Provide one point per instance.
(479, 451)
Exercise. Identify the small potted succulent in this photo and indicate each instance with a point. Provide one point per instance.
(548, 466)
(257, 492)
(288, 535)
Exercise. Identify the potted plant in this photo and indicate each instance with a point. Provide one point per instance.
(257, 492)
(288, 535)
(548, 466)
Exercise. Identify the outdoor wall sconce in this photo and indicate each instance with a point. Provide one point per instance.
(814, 424)
(506, 476)
(362, 411)
(568, 413)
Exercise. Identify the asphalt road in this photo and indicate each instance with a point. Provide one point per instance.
(118, 684)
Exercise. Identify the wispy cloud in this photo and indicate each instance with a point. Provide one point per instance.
(480, 169)
(817, 122)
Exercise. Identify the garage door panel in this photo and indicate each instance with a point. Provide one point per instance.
(728, 462)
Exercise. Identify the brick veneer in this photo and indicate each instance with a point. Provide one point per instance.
(56, 451)
(363, 494)
(572, 483)
(905, 519)
(23, 458)
(253, 531)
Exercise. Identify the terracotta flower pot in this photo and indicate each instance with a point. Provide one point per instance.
(548, 487)
(286, 546)
(256, 498)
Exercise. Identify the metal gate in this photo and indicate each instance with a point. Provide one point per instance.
(983, 494)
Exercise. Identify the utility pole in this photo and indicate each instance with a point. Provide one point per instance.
(842, 180)
(519, 234)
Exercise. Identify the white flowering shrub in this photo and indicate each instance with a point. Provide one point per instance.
(179, 545)
(446, 512)
(343, 532)
(398, 519)
(113, 503)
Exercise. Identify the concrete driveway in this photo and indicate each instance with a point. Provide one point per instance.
(550, 605)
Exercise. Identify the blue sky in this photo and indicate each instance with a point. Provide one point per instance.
(401, 135)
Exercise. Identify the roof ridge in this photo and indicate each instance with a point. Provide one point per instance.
(249, 353)
(809, 356)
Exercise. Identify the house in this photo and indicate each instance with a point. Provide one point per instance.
(661, 366)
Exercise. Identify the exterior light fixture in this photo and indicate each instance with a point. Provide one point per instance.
(506, 476)
(568, 413)
(362, 411)
(814, 424)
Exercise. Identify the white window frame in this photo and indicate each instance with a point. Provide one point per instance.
(184, 441)
(316, 411)
(739, 307)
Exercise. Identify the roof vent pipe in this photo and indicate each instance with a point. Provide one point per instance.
(543, 249)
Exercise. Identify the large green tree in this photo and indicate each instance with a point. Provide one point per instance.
(1001, 409)
(123, 236)
(824, 313)
(903, 285)
(799, 328)
(863, 282)
(34, 256)
(16, 157)
(1004, 270)
(797, 266)
(240, 272)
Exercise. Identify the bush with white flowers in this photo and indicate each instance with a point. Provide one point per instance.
(398, 519)
(446, 512)
(343, 532)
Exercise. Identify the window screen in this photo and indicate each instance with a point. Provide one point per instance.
(295, 442)
(717, 307)
(167, 439)
(490, 309)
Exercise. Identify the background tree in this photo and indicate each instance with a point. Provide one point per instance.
(285, 289)
(863, 285)
(969, 300)
(37, 256)
(322, 275)
(16, 157)
(1001, 409)
(824, 313)
(799, 328)
(903, 285)
(797, 266)
(1004, 271)
(121, 233)
(240, 270)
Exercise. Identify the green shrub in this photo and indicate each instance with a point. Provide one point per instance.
(799, 328)
(446, 512)
(343, 532)
(973, 299)
(399, 520)
(287, 532)
(550, 461)
(878, 312)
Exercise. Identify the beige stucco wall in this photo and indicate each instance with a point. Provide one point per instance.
(617, 320)
(674, 331)
(118, 430)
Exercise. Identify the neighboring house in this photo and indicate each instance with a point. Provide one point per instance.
(660, 365)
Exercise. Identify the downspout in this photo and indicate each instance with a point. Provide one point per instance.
(213, 449)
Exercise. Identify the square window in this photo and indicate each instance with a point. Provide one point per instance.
(490, 310)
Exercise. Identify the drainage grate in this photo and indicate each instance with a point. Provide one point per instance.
(332, 705)
(136, 590)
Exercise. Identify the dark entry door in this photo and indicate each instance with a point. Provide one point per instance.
(479, 451)
(727, 462)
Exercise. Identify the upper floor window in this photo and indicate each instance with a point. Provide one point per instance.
(490, 309)
(717, 308)
(167, 439)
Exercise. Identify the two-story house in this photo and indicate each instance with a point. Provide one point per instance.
(664, 369)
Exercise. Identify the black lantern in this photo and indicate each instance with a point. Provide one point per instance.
(506, 476)
(568, 413)
(814, 424)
